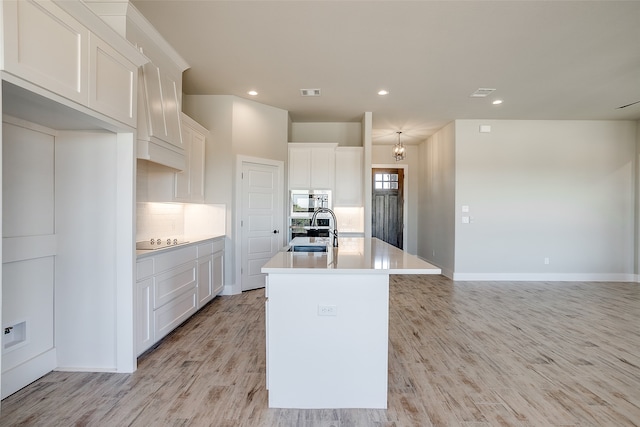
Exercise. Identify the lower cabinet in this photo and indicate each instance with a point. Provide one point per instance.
(172, 285)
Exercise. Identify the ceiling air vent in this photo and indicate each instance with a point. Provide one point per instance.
(482, 92)
(310, 92)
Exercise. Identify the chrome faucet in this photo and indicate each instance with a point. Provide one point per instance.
(335, 223)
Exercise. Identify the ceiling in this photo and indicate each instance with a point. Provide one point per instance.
(546, 59)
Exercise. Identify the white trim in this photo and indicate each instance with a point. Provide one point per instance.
(16, 378)
(405, 195)
(547, 277)
(236, 288)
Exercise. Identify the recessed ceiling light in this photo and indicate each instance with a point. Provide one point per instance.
(252, 93)
(497, 102)
(383, 92)
(482, 92)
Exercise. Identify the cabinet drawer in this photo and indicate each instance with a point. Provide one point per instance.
(174, 258)
(144, 268)
(209, 248)
(171, 315)
(170, 284)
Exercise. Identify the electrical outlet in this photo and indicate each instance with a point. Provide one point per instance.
(546, 261)
(327, 310)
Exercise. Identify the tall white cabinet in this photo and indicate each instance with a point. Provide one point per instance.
(349, 177)
(189, 183)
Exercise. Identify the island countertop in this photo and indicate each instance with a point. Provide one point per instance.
(353, 255)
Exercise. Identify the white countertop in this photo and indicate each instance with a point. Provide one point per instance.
(191, 240)
(353, 255)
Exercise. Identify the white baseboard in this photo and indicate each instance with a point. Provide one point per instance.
(547, 277)
(24, 374)
(231, 290)
(83, 369)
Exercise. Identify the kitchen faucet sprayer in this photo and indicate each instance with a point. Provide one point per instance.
(335, 223)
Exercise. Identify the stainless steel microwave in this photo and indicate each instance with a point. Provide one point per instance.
(305, 202)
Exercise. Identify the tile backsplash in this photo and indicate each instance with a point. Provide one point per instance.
(178, 220)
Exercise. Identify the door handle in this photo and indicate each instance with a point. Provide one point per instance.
(276, 231)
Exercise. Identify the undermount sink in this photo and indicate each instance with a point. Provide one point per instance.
(308, 248)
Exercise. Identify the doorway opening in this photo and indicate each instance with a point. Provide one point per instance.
(387, 205)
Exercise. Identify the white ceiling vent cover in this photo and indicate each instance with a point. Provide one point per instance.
(482, 92)
(310, 92)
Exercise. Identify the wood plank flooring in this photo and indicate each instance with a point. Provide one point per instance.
(460, 354)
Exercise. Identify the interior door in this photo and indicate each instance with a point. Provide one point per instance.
(261, 221)
(387, 206)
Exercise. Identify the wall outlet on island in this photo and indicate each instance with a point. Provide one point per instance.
(546, 261)
(327, 310)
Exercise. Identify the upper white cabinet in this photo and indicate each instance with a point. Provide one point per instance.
(311, 166)
(189, 183)
(46, 46)
(349, 177)
(113, 84)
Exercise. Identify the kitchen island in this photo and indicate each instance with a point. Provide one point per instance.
(327, 318)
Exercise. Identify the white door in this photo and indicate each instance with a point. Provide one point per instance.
(261, 220)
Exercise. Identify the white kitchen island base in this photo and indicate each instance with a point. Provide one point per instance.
(327, 322)
(327, 342)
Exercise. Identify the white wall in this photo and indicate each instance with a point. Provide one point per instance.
(381, 156)
(345, 134)
(436, 205)
(562, 190)
(238, 127)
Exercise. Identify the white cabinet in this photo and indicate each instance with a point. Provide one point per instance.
(46, 46)
(189, 183)
(311, 166)
(210, 271)
(172, 285)
(145, 326)
(113, 85)
(166, 291)
(349, 177)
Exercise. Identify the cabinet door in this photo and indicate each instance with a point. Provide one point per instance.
(144, 315)
(196, 167)
(322, 168)
(217, 272)
(46, 46)
(205, 283)
(299, 168)
(349, 177)
(183, 178)
(112, 83)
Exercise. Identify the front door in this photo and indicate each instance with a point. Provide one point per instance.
(261, 221)
(387, 206)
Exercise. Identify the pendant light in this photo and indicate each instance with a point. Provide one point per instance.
(398, 149)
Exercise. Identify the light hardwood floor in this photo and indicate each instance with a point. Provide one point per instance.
(460, 354)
